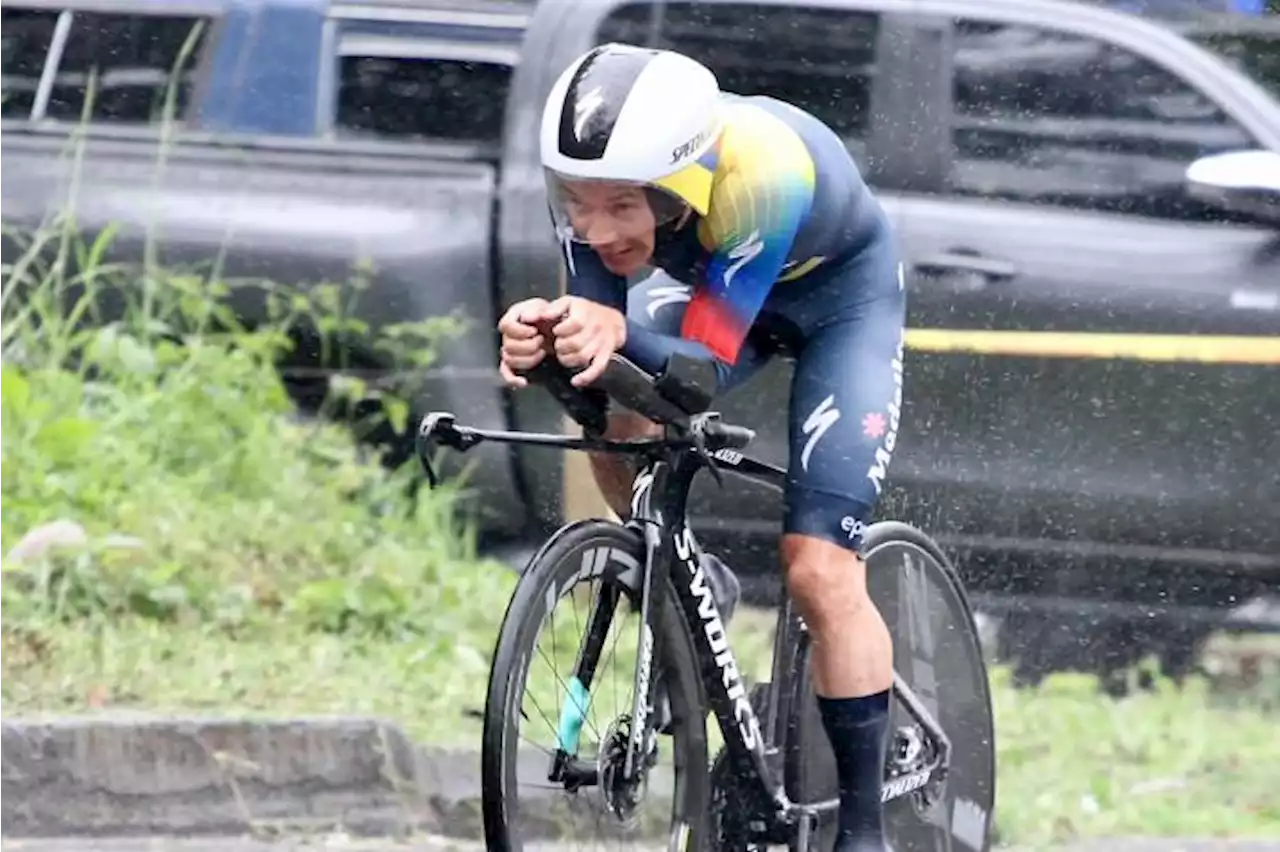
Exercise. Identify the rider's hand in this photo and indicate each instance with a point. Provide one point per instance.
(523, 346)
(586, 334)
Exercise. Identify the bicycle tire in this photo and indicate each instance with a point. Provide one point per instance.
(553, 567)
(810, 766)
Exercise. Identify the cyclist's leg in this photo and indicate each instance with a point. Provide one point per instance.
(845, 404)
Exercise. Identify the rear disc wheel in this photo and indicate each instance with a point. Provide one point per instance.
(936, 651)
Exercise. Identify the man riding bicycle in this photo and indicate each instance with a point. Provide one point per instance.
(776, 247)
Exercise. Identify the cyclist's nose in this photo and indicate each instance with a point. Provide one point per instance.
(601, 230)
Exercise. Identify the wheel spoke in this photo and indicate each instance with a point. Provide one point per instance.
(589, 798)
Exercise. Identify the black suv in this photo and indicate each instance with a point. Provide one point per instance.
(1092, 423)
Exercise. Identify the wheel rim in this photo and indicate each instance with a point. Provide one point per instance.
(582, 819)
(936, 653)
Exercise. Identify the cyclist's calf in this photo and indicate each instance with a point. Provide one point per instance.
(852, 647)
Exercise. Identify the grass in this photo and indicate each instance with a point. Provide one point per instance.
(1171, 762)
(278, 669)
(160, 441)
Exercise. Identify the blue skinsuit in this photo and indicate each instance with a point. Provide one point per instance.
(795, 257)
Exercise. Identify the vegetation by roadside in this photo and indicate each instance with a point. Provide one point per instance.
(164, 433)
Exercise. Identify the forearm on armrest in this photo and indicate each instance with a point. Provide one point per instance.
(650, 350)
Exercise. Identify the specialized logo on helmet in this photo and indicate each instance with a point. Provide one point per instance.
(594, 96)
(680, 152)
(583, 110)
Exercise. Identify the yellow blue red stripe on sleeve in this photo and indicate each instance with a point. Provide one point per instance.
(763, 191)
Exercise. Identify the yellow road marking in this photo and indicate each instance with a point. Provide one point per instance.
(1206, 349)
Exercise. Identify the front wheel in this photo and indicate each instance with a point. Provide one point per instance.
(555, 728)
(936, 651)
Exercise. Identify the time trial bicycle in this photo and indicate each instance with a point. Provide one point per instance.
(773, 781)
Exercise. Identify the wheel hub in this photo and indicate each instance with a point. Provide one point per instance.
(912, 752)
(622, 795)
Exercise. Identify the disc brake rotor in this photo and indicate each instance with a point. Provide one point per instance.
(622, 796)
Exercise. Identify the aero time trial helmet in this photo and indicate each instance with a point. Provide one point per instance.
(631, 115)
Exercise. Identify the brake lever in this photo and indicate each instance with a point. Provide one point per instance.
(698, 437)
(440, 426)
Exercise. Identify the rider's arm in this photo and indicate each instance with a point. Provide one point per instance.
(756, 210)
(589, 278)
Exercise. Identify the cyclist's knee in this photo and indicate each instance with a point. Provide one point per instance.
(627, 424)
(827, 582)
(614, 473)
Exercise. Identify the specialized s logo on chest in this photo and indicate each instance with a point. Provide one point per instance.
(668, 294)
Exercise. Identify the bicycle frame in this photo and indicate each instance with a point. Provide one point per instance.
(660, 492)
(659, 502)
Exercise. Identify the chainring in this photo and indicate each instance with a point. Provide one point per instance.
(728, 815)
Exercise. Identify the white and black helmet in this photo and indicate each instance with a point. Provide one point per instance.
(621, 113)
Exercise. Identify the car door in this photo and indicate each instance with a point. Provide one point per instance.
(837, 63)
(1057, 272)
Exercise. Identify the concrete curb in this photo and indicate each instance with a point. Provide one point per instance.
(123, 775)
(139, 775)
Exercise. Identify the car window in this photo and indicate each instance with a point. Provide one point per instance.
(821, 60)
(1055, 118)
(1246, 33)
(1256, 54)
(421, 98)
(137, 59)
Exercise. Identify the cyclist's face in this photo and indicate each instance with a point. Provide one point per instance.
(615, 220)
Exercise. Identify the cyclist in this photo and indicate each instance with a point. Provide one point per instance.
(771, 244)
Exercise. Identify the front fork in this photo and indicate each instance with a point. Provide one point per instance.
(566, 767)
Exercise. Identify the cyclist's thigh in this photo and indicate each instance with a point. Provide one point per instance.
(659, 303)
(846, 398)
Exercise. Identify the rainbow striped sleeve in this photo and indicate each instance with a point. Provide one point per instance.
(762, 193)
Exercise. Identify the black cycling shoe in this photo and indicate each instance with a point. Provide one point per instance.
(725, 590)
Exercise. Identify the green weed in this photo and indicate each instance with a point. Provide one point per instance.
(162, 429)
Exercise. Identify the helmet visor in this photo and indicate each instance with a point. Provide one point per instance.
(601, 212)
